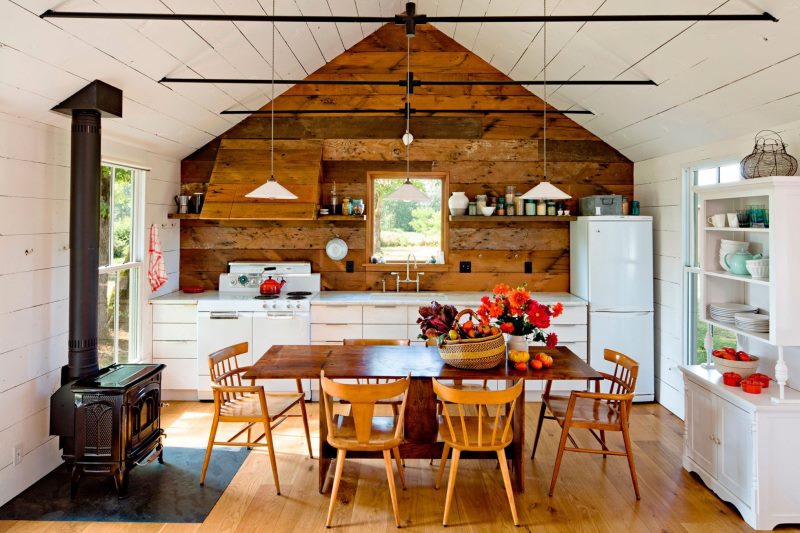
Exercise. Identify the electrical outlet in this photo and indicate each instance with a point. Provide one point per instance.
(529, 267)
(349, 266)
(17, 454)
(465, 267)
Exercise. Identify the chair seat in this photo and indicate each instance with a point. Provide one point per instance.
(587, 410)
(249, 405)
(381, 438)
(471, 424)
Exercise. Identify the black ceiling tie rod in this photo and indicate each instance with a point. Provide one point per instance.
(404, 20)
(402, 111)
(402, 83)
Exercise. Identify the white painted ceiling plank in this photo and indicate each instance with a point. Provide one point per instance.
(349, 32)
(326, 35)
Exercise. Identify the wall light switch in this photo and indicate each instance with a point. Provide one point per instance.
(465, 267)
(349, 266)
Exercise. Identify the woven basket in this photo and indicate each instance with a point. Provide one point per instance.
(474, 354)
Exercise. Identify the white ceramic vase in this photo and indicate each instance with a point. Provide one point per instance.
(517, 342)
(458, 203)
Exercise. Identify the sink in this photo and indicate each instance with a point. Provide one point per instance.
(408, 295)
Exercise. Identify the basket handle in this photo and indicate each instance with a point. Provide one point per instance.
(470, 312)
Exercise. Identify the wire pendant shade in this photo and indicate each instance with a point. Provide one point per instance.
(769, 158)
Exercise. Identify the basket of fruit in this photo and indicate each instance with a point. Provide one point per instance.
(729, 360)
(469, 345)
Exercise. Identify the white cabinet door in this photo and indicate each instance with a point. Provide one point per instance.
(384, 314)
(735, 457)
(700, 427)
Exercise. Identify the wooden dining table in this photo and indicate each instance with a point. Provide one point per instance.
(423, 363)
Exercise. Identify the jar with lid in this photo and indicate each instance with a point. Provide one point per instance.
(358, 206)
(519, 205)
(480, 201)
(501, 207)
(635, 208)
(472, 209)
(347, 207)
(541, 208)
(334, 200)
(626, 209)
(510, 190)
(530, 207)
(551, 208)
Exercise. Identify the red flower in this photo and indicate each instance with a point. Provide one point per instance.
(558, 309)
(518, 299)
(551, 340)
(501, 289)
(507, 327)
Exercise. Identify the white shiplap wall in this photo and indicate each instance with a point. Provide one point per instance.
(658, 185)
(34, 284)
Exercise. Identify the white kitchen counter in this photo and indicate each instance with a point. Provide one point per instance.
(422, 298)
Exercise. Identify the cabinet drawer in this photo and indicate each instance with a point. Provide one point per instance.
(336, 314)
(174, 332)
(670, 373)
(570, 333)
(572, 315)
(384, 314)
(385, 331)
(179, 374)
(175, 349)
(175, 314)
(335, 332)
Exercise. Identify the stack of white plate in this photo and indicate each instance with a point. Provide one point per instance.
(752, 322)
(725, 312)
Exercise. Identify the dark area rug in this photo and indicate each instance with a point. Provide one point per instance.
(157, 493)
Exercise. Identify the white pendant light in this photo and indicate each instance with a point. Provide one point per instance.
(545, 190)
(272, 190)
(407, 192)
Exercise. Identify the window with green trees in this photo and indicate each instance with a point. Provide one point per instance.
(120, 264)
(398, 228)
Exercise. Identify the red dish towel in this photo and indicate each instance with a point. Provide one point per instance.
(157, 273)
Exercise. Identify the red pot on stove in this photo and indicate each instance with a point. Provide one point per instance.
(271, 286)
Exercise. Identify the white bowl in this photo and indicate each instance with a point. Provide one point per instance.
(727, 242)
(758, 268)
(487, 210)
(743, 368)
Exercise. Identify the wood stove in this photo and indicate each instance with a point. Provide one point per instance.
(108, 420)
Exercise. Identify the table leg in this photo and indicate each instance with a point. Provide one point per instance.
(422, 426)
(518, 453)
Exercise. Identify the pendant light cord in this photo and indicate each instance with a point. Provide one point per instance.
(408, 107)
(544, 84)
(272, 104)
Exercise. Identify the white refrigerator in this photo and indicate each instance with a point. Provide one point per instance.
(611, 267)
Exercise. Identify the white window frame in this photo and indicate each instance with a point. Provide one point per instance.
(136, 263)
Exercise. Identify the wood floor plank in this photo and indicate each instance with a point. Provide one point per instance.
(593, 495)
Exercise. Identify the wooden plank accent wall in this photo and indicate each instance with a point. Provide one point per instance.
(478, 152)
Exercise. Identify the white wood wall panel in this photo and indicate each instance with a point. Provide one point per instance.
(37, 323)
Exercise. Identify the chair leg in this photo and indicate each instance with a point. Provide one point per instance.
(626, 437)
(400, 465)
(210, 446)
(451, 483)
(340, 454)
(442, 464)
(501, 457)
(538, 429)
(561, 445)
(387, 458)
(249, 434)
(273, 463)
(305, 426)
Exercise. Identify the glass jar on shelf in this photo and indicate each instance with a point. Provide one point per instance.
(530, 208)
(551, 208)
(541, 208)
(358, 206)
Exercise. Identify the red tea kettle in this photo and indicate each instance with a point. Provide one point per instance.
(271, 286)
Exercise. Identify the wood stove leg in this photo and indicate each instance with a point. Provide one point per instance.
(121, 483)
(161, 454)
(74, 479)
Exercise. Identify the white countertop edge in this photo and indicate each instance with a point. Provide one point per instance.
(711, 379)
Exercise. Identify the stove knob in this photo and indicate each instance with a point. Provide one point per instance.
(243, 279)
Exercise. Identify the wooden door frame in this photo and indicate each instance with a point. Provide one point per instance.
(368, 205)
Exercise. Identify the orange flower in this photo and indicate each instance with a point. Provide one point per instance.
(507, 327)
(558, 309)
(518, 298)
(501, 289)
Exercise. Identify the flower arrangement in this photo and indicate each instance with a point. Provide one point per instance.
(438, 321)
(516, 313)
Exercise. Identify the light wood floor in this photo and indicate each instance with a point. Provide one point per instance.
(592, 494)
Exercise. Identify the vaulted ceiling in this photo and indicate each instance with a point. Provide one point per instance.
(715, 79)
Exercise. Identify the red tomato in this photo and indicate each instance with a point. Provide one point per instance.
(743, 356)
(730, 350)
(521, 366)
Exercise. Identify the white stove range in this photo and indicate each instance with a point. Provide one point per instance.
(241, 314)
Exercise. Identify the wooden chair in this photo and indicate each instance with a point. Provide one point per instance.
(361, 430)
(476, 433)
(394, 402)
(596, 411)
(235, 402)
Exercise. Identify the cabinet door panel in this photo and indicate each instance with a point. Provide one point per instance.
(175, 314)
(700, 427)
(384, 314)
(735, 464)
(336, 314)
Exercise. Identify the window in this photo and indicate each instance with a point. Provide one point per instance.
(697, 329)
(397, 228)
(120, 264)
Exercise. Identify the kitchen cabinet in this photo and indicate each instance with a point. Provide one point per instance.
(742, 447)
(175, 345)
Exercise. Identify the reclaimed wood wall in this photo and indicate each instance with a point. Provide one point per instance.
(479, 152)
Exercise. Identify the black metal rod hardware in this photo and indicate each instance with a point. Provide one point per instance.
(403, 19)
(402, 110)
(402, 83)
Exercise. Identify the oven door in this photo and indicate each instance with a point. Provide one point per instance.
(280, 327)
(217, 330)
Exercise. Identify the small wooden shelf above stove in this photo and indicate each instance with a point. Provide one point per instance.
(515, 219)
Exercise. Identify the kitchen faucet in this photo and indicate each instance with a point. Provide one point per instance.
(408, 279)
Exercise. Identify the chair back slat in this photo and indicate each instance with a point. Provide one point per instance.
(623, 380)
(480, 399)
(362, 399)
(223, 366)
